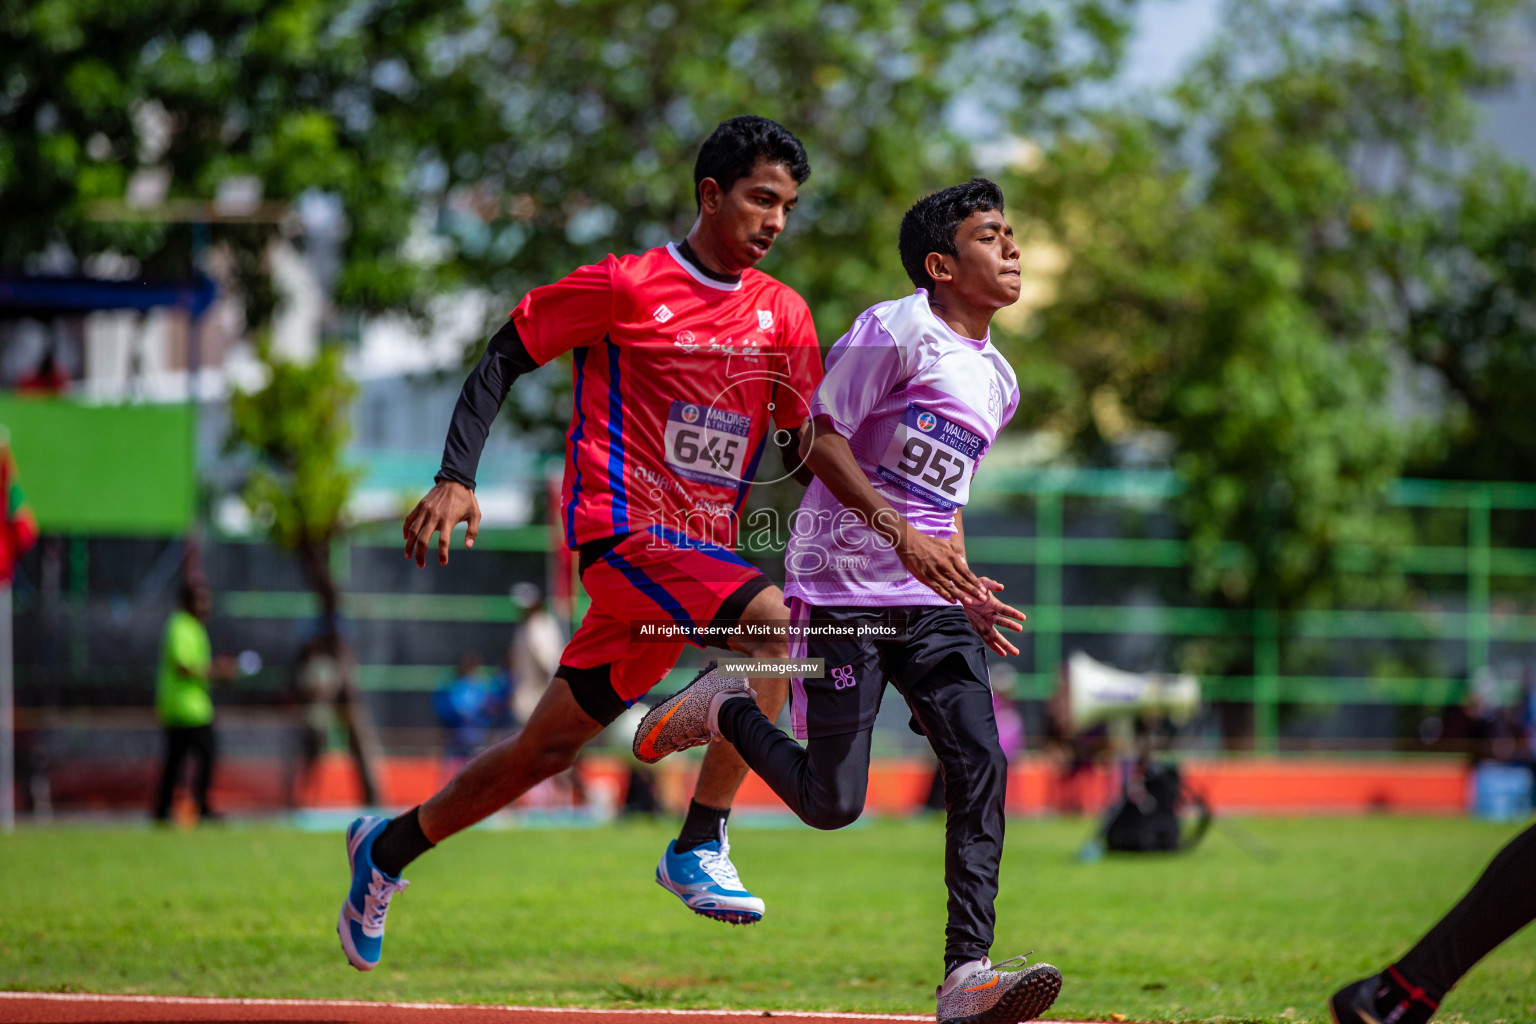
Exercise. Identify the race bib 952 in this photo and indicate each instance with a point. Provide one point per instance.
(931, 457)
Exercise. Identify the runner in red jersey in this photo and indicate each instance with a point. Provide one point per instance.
(679, 380)
(686, 362)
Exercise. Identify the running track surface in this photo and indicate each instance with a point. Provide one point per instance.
(71, 1008)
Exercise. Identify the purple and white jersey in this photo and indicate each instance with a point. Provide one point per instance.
(920, 406)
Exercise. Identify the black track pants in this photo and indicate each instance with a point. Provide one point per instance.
(825, 783)
(1500, 903)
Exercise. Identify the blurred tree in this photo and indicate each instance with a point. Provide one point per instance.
(498, 144)
(308, 96)
(294, 431)
(1473, 323)
(603, 104)
(1246, 256)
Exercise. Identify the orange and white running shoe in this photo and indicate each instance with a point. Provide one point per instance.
(980, 993)
(688, 718)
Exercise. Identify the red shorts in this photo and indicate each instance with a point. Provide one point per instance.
(655, 577)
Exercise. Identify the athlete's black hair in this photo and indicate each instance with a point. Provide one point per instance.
(931, 224)
(735, 146)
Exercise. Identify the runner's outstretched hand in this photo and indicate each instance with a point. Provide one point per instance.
(445, 506)
(939, 566)
(987, 615)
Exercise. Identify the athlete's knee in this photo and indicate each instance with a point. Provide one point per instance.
(830, 819)
(839, 811)
(989, 780)
(764, 647)
(997, 761)
(984, 767)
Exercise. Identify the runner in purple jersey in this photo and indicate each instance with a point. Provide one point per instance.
(913, 398)
(919, 405)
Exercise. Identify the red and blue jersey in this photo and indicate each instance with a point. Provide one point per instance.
(679, 382)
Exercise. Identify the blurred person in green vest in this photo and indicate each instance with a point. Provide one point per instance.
(182, 701)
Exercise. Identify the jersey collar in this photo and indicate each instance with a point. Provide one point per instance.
(694, 272)
(976, 343)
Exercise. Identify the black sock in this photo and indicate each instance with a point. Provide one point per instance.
(1500, 903)
(401, 842)
(701, 826)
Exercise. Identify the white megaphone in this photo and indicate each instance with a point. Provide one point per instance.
(1099, 693)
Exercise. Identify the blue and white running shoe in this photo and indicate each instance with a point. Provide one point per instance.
(706, 881)
(361, 924)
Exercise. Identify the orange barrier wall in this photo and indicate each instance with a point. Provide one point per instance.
(1242, 785)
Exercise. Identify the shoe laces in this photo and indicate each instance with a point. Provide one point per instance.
(718, 863)
(1017, 963)
(380, 891)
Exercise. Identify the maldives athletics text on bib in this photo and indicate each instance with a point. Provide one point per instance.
(931, 457)
(707, 445)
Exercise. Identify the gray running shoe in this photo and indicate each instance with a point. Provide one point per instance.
(688, 718)
(979, 993)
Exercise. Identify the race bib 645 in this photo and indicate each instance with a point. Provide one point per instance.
(707, 445)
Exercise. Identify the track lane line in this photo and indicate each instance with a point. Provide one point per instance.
(392, 1010)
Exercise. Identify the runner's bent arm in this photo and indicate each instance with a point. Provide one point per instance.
(789, 451)
(452, 500)
(866, 366)
(552, 319)
(506, 358)
(934, 563)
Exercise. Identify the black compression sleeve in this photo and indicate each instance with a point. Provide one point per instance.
(504, 361)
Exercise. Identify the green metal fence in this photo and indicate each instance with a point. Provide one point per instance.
(1464, 573)
(1050, 550)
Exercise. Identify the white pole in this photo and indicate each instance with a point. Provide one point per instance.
(7, 717)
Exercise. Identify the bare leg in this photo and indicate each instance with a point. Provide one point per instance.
(723, 769)
(695, 868)
(547, 746)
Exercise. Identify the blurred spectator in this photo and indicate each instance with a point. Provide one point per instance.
(1466, 728)
(470, 706)
(535, 654)
(324, 686)
(1075, 753)
(1528, 710)
(182, 702)
(1005, 708)
(640, 796)
(46, 378)
(535, 650)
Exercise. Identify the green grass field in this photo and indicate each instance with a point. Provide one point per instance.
(855, 919)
